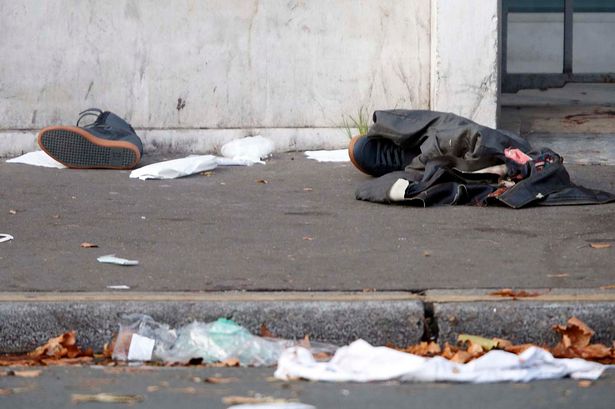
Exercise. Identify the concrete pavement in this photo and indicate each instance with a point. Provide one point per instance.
(293, 225)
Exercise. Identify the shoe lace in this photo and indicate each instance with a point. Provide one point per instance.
(90, 112)
(389, 155)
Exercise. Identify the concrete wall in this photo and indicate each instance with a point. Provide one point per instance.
(219, 64)
(465, 55)
(192, 74)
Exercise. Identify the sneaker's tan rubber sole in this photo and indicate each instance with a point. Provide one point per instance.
(351, 145)
(76, 148)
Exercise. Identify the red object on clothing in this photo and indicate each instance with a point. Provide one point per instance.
(517, 155)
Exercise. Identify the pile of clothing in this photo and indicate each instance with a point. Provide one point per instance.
(451, 160)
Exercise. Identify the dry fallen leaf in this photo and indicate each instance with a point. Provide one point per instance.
(449, 351)
(87, 245)
(584, 383)
(475, 349)
(461, 357)
(207, 173)
(600, 245)
(106, 398)
(559, 275)
(153, 388)
(220, 380)
(68, 361)
(322, 356)
(59, 347)
(509, 292)
(607, 287)
(575, 334)
(240, 400)
(264, 332)
(482, 342)
(517, 349)
(308, 238)
(188, 390)
(503, 343)
(230, 362)
(27, 374)
(262, 181)
(424, 349)
(108, 348)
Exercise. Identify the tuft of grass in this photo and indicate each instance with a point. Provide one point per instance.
(360, 122)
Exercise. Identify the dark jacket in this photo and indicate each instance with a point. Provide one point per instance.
(446, 149)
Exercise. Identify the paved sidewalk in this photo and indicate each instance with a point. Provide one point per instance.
(292, 225)
(302, 230)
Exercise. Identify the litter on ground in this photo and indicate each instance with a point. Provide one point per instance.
(362, 362)
(141, 338)
(339, 155)
(111, 259)
(176, 168)
(37, 158)
(5, 237)
(251, 148)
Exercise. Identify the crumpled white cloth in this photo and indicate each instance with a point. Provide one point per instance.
(361, 362)
(250, 148)
(37, 158)
(339, 155)
(176, 168)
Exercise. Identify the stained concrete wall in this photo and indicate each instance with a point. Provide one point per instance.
(216, 64)
(190, 75)
(465, 56)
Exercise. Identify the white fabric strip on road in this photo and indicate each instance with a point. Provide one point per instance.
(111, 259)
(361, 362)
(176, 168)
(37, 158)
(5, 237)
(339, 155)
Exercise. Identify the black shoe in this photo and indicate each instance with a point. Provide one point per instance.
(109, 143)
(376, 156)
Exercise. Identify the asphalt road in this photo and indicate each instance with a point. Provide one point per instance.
(291, 224)
(184, 388)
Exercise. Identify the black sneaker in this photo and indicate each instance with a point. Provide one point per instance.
(107, 143)
(376, 156)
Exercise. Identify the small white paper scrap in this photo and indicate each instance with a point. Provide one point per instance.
(141, 348)
(111, 259)
(5, 237)
(118, 287)
(37, 158)
(340, 155)
(176, 168)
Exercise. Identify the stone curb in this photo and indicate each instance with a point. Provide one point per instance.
(378, 317)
